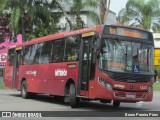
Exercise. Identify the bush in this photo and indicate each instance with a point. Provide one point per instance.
(158, 70)
(1, 85)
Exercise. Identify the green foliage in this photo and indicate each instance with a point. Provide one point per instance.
(36, 15)
(4, 30)
(1, 85)
(15, 19)
(143, 14)
(36, 18)
(78, 8)
(158, 70)
(156, 87)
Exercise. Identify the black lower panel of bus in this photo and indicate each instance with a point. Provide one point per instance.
(84, 86)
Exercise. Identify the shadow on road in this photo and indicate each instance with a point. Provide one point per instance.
(45, 98)
(88, 105)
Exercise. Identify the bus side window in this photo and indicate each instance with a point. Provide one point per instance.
(72, 48)
(57, 51)
(36, 59)
(46, 53)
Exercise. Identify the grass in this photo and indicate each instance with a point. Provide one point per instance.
(156, 86)
(1, 85)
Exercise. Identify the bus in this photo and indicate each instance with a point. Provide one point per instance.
(108, 63)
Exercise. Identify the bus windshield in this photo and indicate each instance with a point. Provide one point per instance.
(124, 56)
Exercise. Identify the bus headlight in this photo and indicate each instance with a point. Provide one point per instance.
(105, 84)
(150, 88)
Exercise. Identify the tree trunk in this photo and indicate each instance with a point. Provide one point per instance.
(100, 11)
(23, 27)
(65, 14)
(22, 20)
(104, 10)
(107, 11)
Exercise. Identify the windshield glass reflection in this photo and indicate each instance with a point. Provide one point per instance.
(124, 56)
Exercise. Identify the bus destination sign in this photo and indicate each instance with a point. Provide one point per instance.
(127, 32)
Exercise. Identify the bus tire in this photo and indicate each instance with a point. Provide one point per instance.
(24, 92)
(116, 103)
(74, 101)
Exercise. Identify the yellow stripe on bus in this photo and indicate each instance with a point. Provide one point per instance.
(87, 34)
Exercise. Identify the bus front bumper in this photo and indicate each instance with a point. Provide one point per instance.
(123, 96)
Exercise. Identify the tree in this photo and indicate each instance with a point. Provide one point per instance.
(104, 6)
(78, 8)
(4, 29)
(64, 13)
(44, 19)
(17, 10)
(142, 13)
(28, 15)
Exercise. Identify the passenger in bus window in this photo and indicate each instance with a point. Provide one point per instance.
(135, 60)
(56, 58)
(72, 55)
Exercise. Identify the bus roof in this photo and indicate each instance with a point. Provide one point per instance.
(75, 32)
(130, 27)
(60, 35)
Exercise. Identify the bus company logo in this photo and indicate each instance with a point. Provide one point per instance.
(60, 72)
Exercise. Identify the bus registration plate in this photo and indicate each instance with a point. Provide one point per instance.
(131, 96)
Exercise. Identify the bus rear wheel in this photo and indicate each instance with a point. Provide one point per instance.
(24, 92)
(74, 101)
(116, 103)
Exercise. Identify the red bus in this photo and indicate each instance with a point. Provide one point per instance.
(104, 62)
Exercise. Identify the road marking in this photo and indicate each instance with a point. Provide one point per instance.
(139, 104)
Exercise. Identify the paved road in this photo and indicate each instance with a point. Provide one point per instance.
(10, 100)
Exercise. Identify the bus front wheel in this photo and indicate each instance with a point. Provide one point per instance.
(74, 101)
(24, 92)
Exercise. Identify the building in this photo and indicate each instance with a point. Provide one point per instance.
(156, 49)
(111, 19)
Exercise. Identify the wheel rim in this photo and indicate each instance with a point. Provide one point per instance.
(23, 90)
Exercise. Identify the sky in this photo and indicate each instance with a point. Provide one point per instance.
(117, 5)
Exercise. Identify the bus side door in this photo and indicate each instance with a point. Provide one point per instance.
(85, 66)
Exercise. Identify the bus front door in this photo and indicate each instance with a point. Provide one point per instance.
(84, 69)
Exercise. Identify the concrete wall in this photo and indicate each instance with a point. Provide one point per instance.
(156, 40)
(157, 49)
